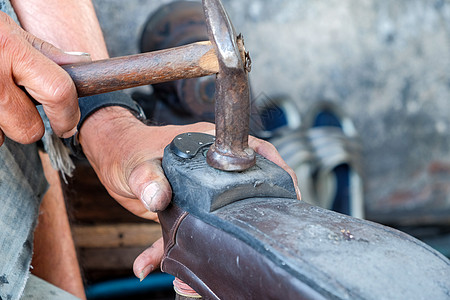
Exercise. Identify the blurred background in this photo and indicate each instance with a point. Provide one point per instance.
(355, 95)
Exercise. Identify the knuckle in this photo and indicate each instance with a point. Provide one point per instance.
(5, 35)
(34, 132)
(38, 44)
(4, 39)
(10, 32)
(19, 119)
(61, 89)
(26, 133)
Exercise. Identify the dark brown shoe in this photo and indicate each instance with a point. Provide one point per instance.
(227, 241)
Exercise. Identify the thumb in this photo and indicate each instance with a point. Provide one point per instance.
(148, 183)
(55, 54)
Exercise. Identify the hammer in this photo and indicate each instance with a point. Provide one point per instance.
(224, 54)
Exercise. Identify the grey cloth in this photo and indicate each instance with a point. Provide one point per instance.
(5, 6)
(58, 153)
(22, 185)
(38, 289)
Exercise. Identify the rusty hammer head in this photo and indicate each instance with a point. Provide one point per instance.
(230, 152)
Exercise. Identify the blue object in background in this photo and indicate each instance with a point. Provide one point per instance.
(129, 286)
(327, 118)
(342, 200)
(273, 118)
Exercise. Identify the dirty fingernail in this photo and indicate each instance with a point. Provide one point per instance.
(141, 276)
(145, 272)
(149, 195)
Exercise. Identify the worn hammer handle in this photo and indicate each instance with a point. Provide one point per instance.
(102, 76)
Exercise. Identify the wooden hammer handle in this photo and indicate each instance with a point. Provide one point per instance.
(102, 76)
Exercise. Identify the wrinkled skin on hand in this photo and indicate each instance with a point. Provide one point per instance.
(28, 62)
(131, 171)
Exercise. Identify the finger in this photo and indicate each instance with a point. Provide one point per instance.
(269, 151)
(135, 206)
(43, 79)
(19, 118)
(148, 183)
(51, 86)
(149, 260)
(57, 55)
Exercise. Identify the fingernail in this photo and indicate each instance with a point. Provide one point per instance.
(76, 53)
(145, 272)
(69, 133)
(149, 195)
